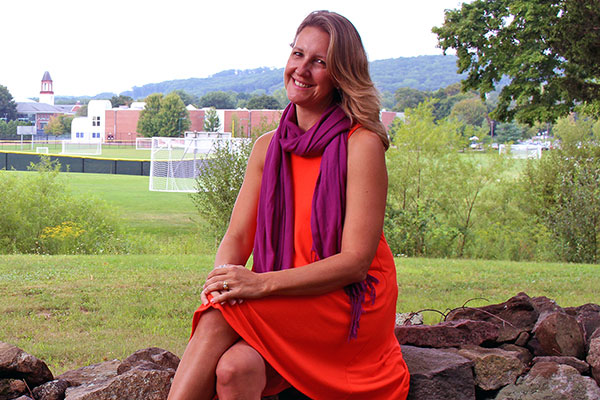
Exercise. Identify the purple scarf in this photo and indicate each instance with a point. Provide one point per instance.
(274, 241)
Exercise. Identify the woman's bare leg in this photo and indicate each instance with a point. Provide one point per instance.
(195, 376)
(241, 373)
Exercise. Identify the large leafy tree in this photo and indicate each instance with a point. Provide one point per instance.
(163, 116)
(548, 49)
(8, 107)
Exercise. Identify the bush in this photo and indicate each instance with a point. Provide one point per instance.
(41, 216)
(219, 182)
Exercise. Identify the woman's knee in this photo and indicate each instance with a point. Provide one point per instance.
(242, 365)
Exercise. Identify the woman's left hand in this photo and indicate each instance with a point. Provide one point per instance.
(232, 283)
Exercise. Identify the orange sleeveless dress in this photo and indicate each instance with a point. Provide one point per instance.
(305, 338)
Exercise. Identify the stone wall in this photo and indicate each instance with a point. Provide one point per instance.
(525, 348)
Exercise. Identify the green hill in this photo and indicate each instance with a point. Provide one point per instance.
(422, 72)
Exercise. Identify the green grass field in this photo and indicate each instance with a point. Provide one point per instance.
(73, 311)
(119, 151)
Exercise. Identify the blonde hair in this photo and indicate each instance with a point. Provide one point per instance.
(348, 67)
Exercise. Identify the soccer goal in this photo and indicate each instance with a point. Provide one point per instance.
(41, 150)
(81, 148)
(175, 163)
(522, 150)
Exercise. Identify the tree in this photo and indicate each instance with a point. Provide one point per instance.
(220, 100)
(173, 118)
(59, 124)
(544, 48)
(212, 123)
(186, 97)
(148, 122)
(163, 116)
(408, 98)
(263, 102)
(471, 111)
(121, 100)
(8, 107)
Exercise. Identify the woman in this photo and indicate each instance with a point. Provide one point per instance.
(317, 310)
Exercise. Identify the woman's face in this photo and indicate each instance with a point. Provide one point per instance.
(306, 78)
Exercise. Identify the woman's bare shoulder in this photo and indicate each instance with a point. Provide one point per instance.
(364, 140)
(259, 149)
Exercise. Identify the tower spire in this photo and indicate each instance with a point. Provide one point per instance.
(47, 91)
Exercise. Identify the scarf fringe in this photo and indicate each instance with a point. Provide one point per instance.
(356, 293)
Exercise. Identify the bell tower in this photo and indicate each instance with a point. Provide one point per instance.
(47, 92)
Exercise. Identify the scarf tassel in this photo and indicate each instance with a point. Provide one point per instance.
(356, 293)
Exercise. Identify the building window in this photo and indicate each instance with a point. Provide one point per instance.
(96, 121)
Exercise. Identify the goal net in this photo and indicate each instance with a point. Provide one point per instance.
(81, 148)
(175, 162)
(521, 150)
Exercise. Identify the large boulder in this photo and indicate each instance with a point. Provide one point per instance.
(136, 383)
(513, 317)
(551, 381)
(91, 374)
(558, 334)
(146, 374)
(588, 317)
(447, 334)
(593, 356)
(494, 368)
(17, 364)
(450, 377)
(150, 358)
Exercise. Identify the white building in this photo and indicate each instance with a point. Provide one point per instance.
(91, 129)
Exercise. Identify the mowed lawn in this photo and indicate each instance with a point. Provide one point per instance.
(140, 208)
(74, 310)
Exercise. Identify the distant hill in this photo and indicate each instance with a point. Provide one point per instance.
(422, 72)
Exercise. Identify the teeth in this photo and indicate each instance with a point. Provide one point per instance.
(302, 85)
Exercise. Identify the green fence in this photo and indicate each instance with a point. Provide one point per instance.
(21, 161)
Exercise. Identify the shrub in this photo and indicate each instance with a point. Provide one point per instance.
(219, 181)
(40, 215)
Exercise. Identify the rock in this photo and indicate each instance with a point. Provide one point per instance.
(522, 339)
(151, 358)
(447, 334)
(91, 374)
(450, 377)
(53, 390)
(11, 388)
(581, 366)
(551, 381)
(588, 317)
(136, 383)
(513, 317)
(593, 356)
(16, 363)
(522, 353)
(559, 334)
(544, 305)
(494, 368)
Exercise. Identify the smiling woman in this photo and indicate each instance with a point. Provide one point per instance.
(317, 310)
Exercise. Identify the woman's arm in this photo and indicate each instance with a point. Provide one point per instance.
(365, 209)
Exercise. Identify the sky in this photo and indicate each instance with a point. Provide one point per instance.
(95, 46)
